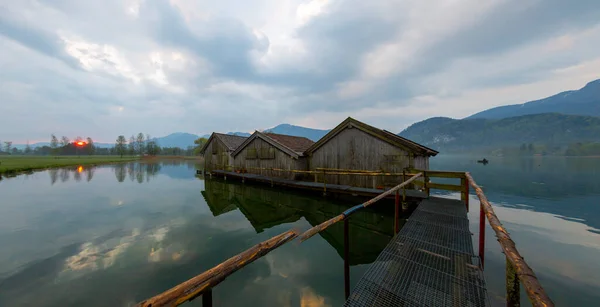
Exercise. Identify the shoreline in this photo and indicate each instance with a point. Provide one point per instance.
(52, 162)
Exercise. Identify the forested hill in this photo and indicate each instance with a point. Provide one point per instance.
(451, 135)
(585, 101)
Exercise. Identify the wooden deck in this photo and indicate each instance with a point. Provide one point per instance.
(315, 186)
(430, 262)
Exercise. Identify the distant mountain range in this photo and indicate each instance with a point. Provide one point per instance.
(446, 134)
(565, 118)
(585, 101)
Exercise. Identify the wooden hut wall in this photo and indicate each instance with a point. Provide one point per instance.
(250, 159)
(216, 156)
(354, 149)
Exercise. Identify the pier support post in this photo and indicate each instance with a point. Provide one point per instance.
(346, 258)
(426, 182)
(513, 287)
(207, 298)
(481, 234)
(464, 195)
(397, 213)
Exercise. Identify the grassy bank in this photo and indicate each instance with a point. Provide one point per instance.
(17, 164)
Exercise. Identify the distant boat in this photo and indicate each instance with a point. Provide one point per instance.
(484, 161)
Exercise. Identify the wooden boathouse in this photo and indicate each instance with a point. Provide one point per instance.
(218, 150)
(262, 152)
(356, 146)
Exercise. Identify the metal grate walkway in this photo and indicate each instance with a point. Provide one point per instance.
(430, 262)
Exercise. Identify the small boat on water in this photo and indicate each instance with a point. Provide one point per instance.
(484, 161)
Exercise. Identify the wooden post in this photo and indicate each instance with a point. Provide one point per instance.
(403, 189)
(426, 182)
(207, 298)
(397, 213)
(324, 184)
(466, 184)
(513, 287)
(481, 234)
(346, 259)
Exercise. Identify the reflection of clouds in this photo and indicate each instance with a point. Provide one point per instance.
(100, 256)
(285, 267)
(309, 298)
(553, 245)
(555, 228)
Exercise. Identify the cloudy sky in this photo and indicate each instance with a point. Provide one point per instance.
(104, 68)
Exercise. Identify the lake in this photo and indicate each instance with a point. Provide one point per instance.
(115, 235)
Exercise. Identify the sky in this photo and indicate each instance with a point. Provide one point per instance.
(112, 67)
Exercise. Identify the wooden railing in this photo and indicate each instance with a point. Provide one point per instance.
(516, 267)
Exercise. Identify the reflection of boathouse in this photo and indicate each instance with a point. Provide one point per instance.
(264, 208)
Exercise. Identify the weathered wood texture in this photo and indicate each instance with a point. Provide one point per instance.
(197, 285)
(217, 156)
(536, 293)
(257, 165)
(356, 150)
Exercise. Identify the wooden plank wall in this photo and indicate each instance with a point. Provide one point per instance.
(282, 161)
(215, 161)
(355, 149)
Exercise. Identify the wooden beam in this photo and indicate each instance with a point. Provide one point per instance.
(197, 285)
(536, 293)
(441, 174)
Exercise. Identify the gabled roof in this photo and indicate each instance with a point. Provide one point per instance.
(232, 142)
(292, 145)
(383, 135)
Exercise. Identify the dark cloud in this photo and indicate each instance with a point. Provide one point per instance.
(33, 37)
(130, 67)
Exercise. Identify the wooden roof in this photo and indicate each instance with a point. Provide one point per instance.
(232, 142)
(383, 135)
(292, 145)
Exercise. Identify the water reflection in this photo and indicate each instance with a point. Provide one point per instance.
(564, 186)
(370, 230)
(140, 172)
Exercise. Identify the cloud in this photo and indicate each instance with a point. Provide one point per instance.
(121, 67)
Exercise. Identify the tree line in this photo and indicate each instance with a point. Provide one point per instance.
(140, 144)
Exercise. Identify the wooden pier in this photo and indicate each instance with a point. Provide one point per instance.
(430, 261)
(308, 185)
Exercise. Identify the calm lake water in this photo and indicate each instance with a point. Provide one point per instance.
(115, 235)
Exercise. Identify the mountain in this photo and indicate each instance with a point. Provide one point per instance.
(177, 139)
(312, 134)
(585, 101)
(246, 134)
(446, 134)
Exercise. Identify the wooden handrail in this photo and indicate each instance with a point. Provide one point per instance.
(318, 171)
(316, 229)
(197, 285)
(536, 293)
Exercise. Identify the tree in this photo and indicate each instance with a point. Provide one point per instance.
(199, 144)
(65, 141)
(131, 146)
(7, 146)
(53, 143)
(90, 146)
(140, 143)
(152, 148)
(120, 145)
(27, 148)
(530, 147)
